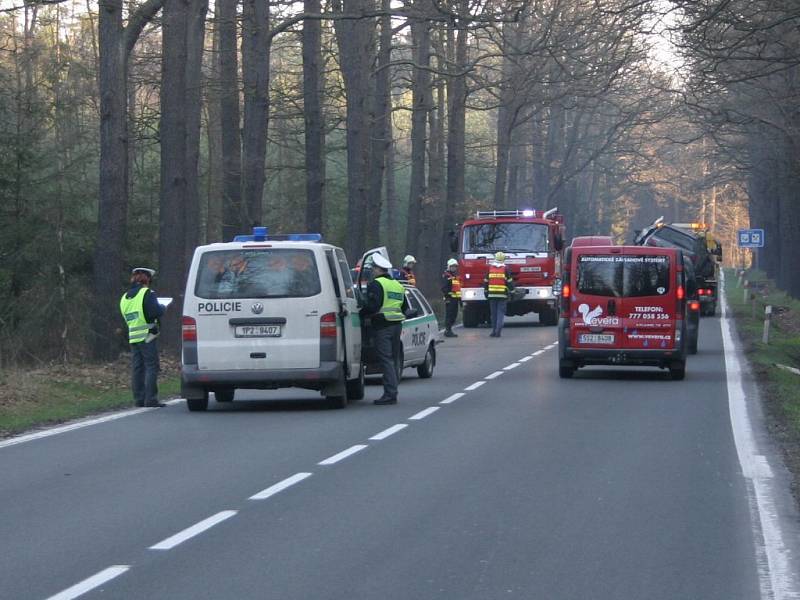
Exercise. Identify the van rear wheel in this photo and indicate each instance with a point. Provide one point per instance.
(565, 370)
(224, 395)
(336, 393)
(197, 404)
(678, 370)
(355, 387)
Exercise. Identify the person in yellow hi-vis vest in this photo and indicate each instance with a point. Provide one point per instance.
(498, 285)
(141, 310)
(385, 307)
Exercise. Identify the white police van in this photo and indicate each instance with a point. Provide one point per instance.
(268, 312)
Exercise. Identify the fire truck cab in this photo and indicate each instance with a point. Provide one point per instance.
(532, 241)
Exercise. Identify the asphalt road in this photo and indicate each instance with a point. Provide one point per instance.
(617, 484)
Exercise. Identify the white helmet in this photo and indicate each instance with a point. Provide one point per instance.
(409, 259)
(452, 262)
(379, 260)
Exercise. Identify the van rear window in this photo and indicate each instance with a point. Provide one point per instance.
(623, 276)
(257, 273)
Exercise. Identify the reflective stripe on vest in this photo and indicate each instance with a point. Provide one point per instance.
(455, 285)
(132, 310)
(393, 296)
(498, 287)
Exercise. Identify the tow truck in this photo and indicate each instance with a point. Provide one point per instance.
(532, 241)
(699, 245)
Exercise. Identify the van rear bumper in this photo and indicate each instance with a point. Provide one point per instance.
(195, 382)
(615, 356)
(603, 356)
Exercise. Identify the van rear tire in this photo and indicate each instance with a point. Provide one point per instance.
(565, 370)
(197, 404)
(336, 393)
(224, 394)
(425, 370)
(677, 371)
(355, 387)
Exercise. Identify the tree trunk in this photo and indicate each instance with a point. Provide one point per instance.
(313, 85)
(421, 106)
(195, 43)
(356, 41)
(233, 215)
(380, 129)
(214, 137)
(456, 129)
(255, 78)
(174, 168)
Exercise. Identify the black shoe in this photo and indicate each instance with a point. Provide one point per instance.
(449, 334)
(155, 405)
(493, 335)
(383, 400)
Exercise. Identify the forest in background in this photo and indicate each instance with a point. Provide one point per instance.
(132, 131)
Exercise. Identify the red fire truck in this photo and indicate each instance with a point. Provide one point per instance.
(532, 241)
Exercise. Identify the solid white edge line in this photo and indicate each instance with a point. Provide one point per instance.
(537, 353)
(525, 359)
(71, 427)
(280, 486)
(90, 583)
(511, 366)
(196, 529)
(474, 386)
(423, 413)
(390, 431)
(452, 398)
(493, 375)
(342, 455)
(780, 576)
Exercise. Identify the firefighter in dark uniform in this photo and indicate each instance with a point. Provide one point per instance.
(451, 289)
(407, 272)
(386, 306)
(141, 310)
(498, 285)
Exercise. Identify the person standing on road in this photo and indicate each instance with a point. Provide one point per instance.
(386, 306)
(498, 285)
(407, 272)
(141, 310)
(451, 289)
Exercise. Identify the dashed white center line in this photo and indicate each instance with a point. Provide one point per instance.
(511, 366)
(537, 353)
(343, 454)
(474, 386)
(92, 582)
(196, 529)
(452, 398)
(493, 375)
(387, 432)
(424, 413)
(280, 486)
(525, 359)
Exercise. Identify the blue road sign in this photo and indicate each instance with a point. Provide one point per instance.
(751, 238)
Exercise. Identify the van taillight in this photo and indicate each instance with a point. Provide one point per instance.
(327, 325)
(188, 329)
(694, 305)
(566, 292)
(681, 293)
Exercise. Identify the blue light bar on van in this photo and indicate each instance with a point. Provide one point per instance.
(260, 235)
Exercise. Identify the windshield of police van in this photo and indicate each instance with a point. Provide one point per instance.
(489, 238)
(257, 273)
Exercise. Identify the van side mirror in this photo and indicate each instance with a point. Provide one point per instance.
(453, 241)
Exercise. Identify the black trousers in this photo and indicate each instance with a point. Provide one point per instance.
(450, 313)
(144, 372)
(387, 347)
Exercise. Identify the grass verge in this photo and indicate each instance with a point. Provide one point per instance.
(54, 394)
(780, 389)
